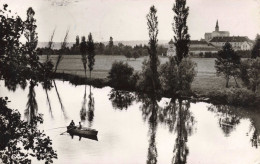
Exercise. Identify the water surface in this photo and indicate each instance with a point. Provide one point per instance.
(142, 130)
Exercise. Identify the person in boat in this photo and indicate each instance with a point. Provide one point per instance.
(72, 123)
(80, 126)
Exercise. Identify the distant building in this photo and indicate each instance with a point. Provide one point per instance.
(171, 49)
(237, 42)
(201, 46)
(216, 33)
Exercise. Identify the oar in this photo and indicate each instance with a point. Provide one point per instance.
(63, 132)
(66, 131)
(57, 128)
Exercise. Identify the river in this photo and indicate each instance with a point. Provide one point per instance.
(135, 130)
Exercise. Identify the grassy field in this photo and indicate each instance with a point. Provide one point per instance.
(205, 81)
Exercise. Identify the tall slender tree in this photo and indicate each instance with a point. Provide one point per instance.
(77, 40)
(83, 51)
(30, 32)
(91, 53)
(152, 23)
(111, 46)
(256, 49)
(180, 28)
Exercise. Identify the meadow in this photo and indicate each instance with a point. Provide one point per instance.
(205, 81)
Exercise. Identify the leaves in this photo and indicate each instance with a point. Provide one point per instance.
(17, 136)
(180, 28)
(227, 62)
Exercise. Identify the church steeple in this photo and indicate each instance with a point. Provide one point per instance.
(217, 27)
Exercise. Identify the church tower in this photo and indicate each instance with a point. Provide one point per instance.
(217, 27)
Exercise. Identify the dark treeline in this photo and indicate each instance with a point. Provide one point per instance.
(103, 49)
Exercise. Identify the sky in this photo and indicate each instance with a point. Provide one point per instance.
(125, 20)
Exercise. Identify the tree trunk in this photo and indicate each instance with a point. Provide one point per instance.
(227, 80)
(236, 81)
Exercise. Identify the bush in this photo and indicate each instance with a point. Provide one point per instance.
(145, 80)
(250, 73)
(176, 79)
(234, 96)
(240, 97)
(120, 75)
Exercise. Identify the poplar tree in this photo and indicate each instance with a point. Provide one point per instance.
(256, 49)
(152, 23)
(91, 53)
(83, 51)
(180, 28)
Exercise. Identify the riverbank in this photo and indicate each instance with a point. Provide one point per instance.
(205, 87)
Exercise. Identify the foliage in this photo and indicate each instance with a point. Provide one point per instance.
(176, 79)
(83, 111)
(256, 49)
(210, 55)
(31, 106)
(19, 62)
(91, 53)
(233, 96)
(30, 33)
(180, 28)
(240, 96)
(227, 63)
(19, 141)
(77, 40)
(136, 55)
(121, 99)
(244, 53)
(120, 75)
(110, 47)
(145, 80)
(128, 55)
(250, 73)
(152, 23)
(228, 119)
(91, 107)
(83, 51)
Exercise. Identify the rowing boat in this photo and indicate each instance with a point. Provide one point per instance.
(82, 131)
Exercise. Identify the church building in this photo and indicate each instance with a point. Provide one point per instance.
(216, 33)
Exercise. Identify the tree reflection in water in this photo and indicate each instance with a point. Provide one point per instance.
(91, 107)
(83, 111)
(60, 100)
(121, 99)
(31, 106)
(150, 110)
(228, 120)
(255, 138)
(178, 118)
(49, 103)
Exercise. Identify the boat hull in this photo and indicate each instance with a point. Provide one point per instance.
(82, 131)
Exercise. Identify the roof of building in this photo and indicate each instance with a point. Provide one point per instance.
(230, 39)
(198, 42)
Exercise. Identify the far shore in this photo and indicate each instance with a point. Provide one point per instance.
(204, 83)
